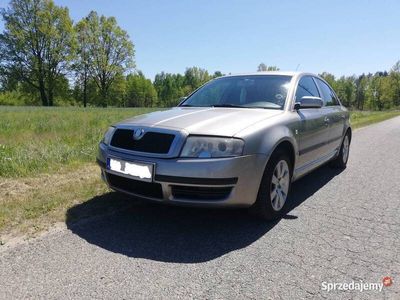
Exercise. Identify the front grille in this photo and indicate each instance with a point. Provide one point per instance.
(200, 193)
(146, 189)
(151, 142)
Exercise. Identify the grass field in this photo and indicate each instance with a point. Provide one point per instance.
(364, 118)
(36, 140)
(47, 160)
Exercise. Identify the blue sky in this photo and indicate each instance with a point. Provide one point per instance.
(342, 37)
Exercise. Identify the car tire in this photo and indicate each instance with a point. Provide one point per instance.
(340, 162)
(266, 204)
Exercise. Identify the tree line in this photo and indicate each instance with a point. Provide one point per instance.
(47, 59)
(377, 91)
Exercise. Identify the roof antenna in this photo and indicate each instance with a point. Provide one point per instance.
(297, 67)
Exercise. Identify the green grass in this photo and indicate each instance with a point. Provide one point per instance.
(364, 118)
(35, 140)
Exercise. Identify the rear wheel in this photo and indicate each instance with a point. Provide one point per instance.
(341, 160)
(274, 187)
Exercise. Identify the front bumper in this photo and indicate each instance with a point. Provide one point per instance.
(230, 181)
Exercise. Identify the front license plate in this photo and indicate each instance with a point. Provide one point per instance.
(137, 170)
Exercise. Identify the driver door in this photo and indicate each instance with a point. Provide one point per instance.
(313, 130)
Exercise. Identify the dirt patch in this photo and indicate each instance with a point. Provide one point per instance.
(32, 205)
(18, 187)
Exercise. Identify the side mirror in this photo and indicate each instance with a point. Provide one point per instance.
(308, 102)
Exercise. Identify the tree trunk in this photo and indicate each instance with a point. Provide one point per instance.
(103, 92)
(398, 95)
(84, 89)
(51, 96)
(42, 91)
(50, 89)
(42, 87)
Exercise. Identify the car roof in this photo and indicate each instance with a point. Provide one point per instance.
(283, 73)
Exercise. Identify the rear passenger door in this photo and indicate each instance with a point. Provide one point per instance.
(313, 130)
(334, 114)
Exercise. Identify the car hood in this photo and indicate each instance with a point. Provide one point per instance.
(203, 120)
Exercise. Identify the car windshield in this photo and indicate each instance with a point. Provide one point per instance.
(253, 91)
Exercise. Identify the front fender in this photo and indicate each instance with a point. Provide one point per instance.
(263, 138)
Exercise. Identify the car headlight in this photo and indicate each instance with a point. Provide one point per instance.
(108, 135)
(206, 147)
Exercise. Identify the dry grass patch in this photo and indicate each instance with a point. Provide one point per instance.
(29, 205)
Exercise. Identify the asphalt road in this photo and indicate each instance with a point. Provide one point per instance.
(342, 227)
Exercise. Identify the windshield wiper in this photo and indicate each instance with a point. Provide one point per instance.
(227, 105)
(265, 107)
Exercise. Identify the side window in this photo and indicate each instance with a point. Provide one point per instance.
(306, 87)
(335, 100)
(327, 94)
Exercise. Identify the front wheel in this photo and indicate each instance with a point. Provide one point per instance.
(341, 160)
(274, 188)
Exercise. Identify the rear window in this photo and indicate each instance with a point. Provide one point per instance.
(328, 96)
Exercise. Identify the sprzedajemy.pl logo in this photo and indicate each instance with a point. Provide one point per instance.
(357, 285)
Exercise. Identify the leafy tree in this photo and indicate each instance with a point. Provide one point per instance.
(37, 44)
(330, 78)
(91, 92)
(81, 65)
(169, 88)
(263, 67)
(140, 91)
(346, 90)
(195, 77)
(395, 83)
(217, 74)
(361, 87)
(110, 52)
(374, 93)
(13, 97)
(117, 91)
(387, 92)
(9, 81)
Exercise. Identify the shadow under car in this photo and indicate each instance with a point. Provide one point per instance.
(178, 234)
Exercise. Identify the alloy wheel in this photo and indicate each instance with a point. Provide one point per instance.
(280, 185)
(345, 150)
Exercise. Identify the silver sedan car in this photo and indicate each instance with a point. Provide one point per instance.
(238, 140)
